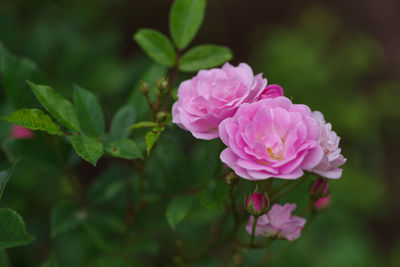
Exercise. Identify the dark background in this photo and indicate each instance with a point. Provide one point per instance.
(340, 57)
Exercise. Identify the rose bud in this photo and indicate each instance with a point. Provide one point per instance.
(257, 204)
(19, 132)
(319, 189)
(322, 203)
(144, 88)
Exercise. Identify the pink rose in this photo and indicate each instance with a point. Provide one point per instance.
(271, 138)
(214, 95)
(257, 204)
(272, 91)
(329, 141)
(19, 132)
(279, 223)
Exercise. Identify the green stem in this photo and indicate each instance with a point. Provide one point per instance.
(174, 75)
(253, 230)
(309, 205)
(278, 195)
(280, 187)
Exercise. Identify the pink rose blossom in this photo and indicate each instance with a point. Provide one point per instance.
(279, 223)
(322, 203)
(214, 95)
(329, 141)
(272, 91)
(19, 132)
(271, 138)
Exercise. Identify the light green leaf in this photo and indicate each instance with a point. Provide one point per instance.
(12, 229)
(144, 124)
(88, 148)
(33, 119)
(185, 20)
(89, 111)
(204, 57)
(124, 148)
(178, 208)
(214, 194)
(5, 176)
(157, 46)
(14, 71)
(66, 216)
(121, 122)
(59, 107)
(151, 138)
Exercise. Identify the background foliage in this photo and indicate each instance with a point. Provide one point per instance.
(321, 57)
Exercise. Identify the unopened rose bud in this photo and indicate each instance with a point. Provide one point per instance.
(257, 204)
(231, 179)
(161, 116)
(162, 84)
(322, 203)
(319, 189)
(19, 132)
(144, 88)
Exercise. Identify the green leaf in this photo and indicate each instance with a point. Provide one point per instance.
(204, 57)
(157, 46)
(89, 111)
(185, 20)
(4, 262)
(124, 148)
(88, 148)
(59, 107)
(107, 186)
(33, 119)
(12, 229)
(151, 138)
(214, 194)
(144, 124)
(121, 122)
(5, 176)
(14, 71)
(51, 262)
(66, 216)
(178, 208)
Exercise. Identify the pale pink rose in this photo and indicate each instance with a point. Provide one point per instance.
(272, 91)
(271, 138)
(278, 223)
(329, 141)
(19, 132)
(214, 95)
(322, 203)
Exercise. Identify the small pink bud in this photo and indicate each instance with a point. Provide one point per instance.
(257, 204)
(319, 189)
(19, 132)
(322, 203)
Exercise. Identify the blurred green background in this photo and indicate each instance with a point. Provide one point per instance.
(339, 57)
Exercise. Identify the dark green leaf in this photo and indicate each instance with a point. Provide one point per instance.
(178, 208)
(33, 119)
(4, 262)
(51, 262)
(185, 20)
(109, 261)
(88, 148)
(121, 122)
(151, 139)
(12, 229)
(157, 46)
(124, 148)
(5, 176)
(66, 216)
(96, 237)
(14, 72)
(89, 111)
(144, 124)
(204, 57)
(214, 194)
(59, 107)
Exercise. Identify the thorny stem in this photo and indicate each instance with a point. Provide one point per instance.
(253, 230)
(174, 75)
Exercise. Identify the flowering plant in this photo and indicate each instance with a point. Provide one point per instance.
(253, 139)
